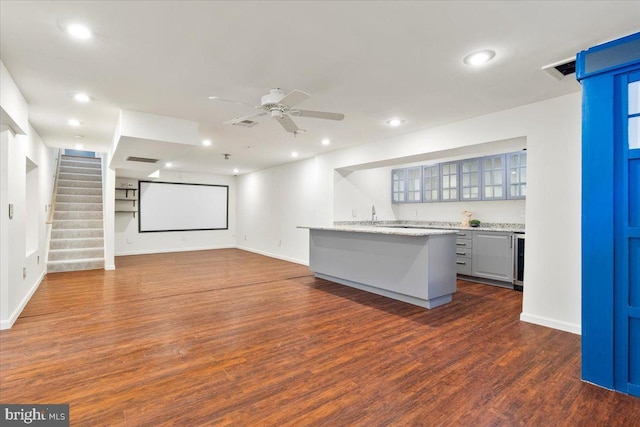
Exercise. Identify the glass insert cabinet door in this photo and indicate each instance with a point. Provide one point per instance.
(517, 175)
(449, 181)
(493, 181)
(398, 185)
(414, 184)
(431, 183)
(470, 176)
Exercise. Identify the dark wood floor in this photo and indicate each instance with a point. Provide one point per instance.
(231, 338)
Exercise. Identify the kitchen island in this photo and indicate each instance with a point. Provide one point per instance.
(411, 265)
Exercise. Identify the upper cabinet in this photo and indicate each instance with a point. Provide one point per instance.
(517, 175)
(470, 179)
(431, 183)
(406, 185)
(449, 181)
(493, 180)
(496, 177)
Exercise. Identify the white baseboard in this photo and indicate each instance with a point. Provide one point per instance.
(551, 323)
(109, 267)
(270, 255)
(8, 323)
(162, 251)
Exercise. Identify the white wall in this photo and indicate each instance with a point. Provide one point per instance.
(270, 206)
(17, 285)
(128, 241)
(552, 132)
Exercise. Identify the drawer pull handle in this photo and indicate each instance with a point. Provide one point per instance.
(460, 253)
(462, 234)
(461, 262)
(461, 244)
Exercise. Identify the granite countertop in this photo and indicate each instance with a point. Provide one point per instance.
(381, 229)
(440, 225)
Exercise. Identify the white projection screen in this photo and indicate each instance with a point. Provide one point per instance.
(174, 206)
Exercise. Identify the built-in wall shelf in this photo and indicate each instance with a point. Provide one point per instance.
(126, 200)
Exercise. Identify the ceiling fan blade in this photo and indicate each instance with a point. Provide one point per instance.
(288, 124)
(294, 97)
(217, 98)
(241, 119)
(317, 114)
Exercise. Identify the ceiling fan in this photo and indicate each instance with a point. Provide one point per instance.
(279, 106)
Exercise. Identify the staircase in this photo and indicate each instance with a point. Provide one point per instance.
(77, 232)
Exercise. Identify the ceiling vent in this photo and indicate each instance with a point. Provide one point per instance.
(560, 69)
(141, 159)
(245, 123)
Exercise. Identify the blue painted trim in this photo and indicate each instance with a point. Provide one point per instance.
(631, 54)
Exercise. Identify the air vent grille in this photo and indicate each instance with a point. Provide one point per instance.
(561, 69)
(245, 123)
(141, 159)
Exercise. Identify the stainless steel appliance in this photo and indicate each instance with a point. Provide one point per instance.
(518, 262)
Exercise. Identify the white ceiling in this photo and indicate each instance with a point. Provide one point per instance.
(368, 60)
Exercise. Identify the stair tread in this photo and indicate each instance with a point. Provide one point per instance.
(70, 261)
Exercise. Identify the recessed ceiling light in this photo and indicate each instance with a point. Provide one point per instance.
(326, 141)
(79, 146)
(294, 154)
(479, 58)
(79, 31)
(206, 142)
(168, 164)
(82, 97)
(74, 122)
(236, 171)
(395, 122)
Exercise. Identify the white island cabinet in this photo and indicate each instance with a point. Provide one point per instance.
(417, 266)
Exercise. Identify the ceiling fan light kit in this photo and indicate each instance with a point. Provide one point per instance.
(279, 107)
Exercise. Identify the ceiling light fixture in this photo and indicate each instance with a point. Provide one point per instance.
(206, 142)
(395, 122)
(294, 154)
(74, 122)
(168, 164)
(82, 97)
(479, 58)
(79, 146)
(236, 171)
(326, 141)
(79, 31)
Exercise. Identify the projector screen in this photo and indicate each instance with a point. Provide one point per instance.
(174, 206)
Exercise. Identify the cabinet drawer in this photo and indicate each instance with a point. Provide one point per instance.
(463, 251)
(464, 234)
(463, 266)
(463, 243)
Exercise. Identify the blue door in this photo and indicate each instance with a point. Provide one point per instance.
(627, 237)
(610, 77)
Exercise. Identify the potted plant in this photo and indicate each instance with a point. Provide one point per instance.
(474, 222)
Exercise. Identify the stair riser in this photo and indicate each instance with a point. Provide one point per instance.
(74, 266)
(79, 198)
(79, 177)
(83, 184)
(76, 244)
(77, 191)
(80, 215)
(77, 234)
(75, 225)
(82, 171)
(74, 164)
(75, 254)
(78, 206)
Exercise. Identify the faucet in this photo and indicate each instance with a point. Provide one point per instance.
(373, 215)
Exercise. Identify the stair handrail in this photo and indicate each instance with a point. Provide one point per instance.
(52, 204)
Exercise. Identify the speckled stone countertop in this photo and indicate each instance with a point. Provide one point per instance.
(512, 228)
(381, 229)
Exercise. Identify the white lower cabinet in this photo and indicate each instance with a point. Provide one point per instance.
(492, 255)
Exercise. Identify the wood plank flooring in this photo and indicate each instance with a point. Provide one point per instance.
(232, 338)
